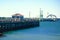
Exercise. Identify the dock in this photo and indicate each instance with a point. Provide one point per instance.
(17, 21)
(15, 25)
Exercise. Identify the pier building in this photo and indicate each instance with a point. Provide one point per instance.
(17, 17)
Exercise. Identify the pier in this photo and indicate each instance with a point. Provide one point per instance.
(8, 26)
(17, 22)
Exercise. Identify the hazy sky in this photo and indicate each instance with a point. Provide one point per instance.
(10, 7)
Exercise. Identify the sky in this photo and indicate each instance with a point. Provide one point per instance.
(24, 7)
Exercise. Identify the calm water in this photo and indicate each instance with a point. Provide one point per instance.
(46, 31)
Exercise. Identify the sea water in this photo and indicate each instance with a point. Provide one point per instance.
(46, 31)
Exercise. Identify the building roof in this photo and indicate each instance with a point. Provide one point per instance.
(17, 14)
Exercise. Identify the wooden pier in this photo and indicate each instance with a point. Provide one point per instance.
(9, 25)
